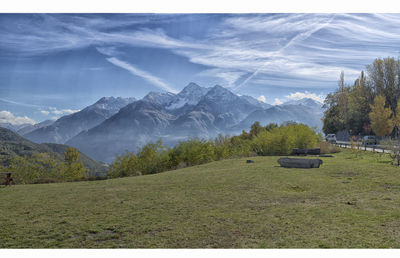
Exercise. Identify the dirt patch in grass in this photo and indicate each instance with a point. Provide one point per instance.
(103, 235)
(391, 186)
(343, 173)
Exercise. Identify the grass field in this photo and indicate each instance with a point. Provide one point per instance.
(349, 202)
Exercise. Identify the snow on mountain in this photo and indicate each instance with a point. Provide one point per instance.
(110, 104)
(162, 99)
(305, 102)
(190, 95)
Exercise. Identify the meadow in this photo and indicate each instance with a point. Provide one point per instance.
(351, 201)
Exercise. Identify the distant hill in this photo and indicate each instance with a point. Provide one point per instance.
(29, 128)
(14, 127)
(308, 102)
(280, 114)
(12, 144)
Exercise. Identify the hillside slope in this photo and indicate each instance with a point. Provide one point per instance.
(347, 203)
(13, 144)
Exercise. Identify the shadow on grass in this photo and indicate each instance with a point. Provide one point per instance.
(385, 161)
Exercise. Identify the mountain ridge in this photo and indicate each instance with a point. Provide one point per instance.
(194, 112)
(69, 126)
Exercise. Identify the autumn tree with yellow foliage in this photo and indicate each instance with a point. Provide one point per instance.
(381, 117)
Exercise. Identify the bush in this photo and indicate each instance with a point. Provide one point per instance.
(36, 168)
(223, 147)
(327, 147)
(47, 168)
(394, 150)
(282, 140)
(241, 147)
(193, 152)
(124, 165)
(153, 158)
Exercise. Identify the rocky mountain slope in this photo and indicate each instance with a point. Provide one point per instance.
(69, 126)
(194, 112)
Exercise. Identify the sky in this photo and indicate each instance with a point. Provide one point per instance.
(56, 64)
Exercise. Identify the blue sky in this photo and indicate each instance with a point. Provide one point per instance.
(55, 64)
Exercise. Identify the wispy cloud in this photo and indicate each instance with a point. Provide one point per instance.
(143, 74)
(8, 117)
(229, 77)
(238, 49)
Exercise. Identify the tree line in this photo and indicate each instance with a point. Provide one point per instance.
(370, 106)
(154, 158)
(260, 140)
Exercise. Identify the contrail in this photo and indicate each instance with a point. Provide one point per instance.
(143, 74)
(20, 104)
(299, 37)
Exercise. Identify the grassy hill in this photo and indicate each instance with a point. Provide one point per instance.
(348, 202)
(13, 144)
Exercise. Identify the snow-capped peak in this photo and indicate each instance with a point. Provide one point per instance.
(305, 102)
(111, 103)
(190, 95)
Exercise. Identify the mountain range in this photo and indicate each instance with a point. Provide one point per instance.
(113, 125)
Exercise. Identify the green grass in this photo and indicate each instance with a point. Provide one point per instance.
(349, 202)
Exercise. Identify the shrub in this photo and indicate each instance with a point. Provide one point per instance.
(36, 168)
(193, 152)
(327, 147)
(281, 140)
(124, 165)
(223, 147)
(394, 150)
(153, 158)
